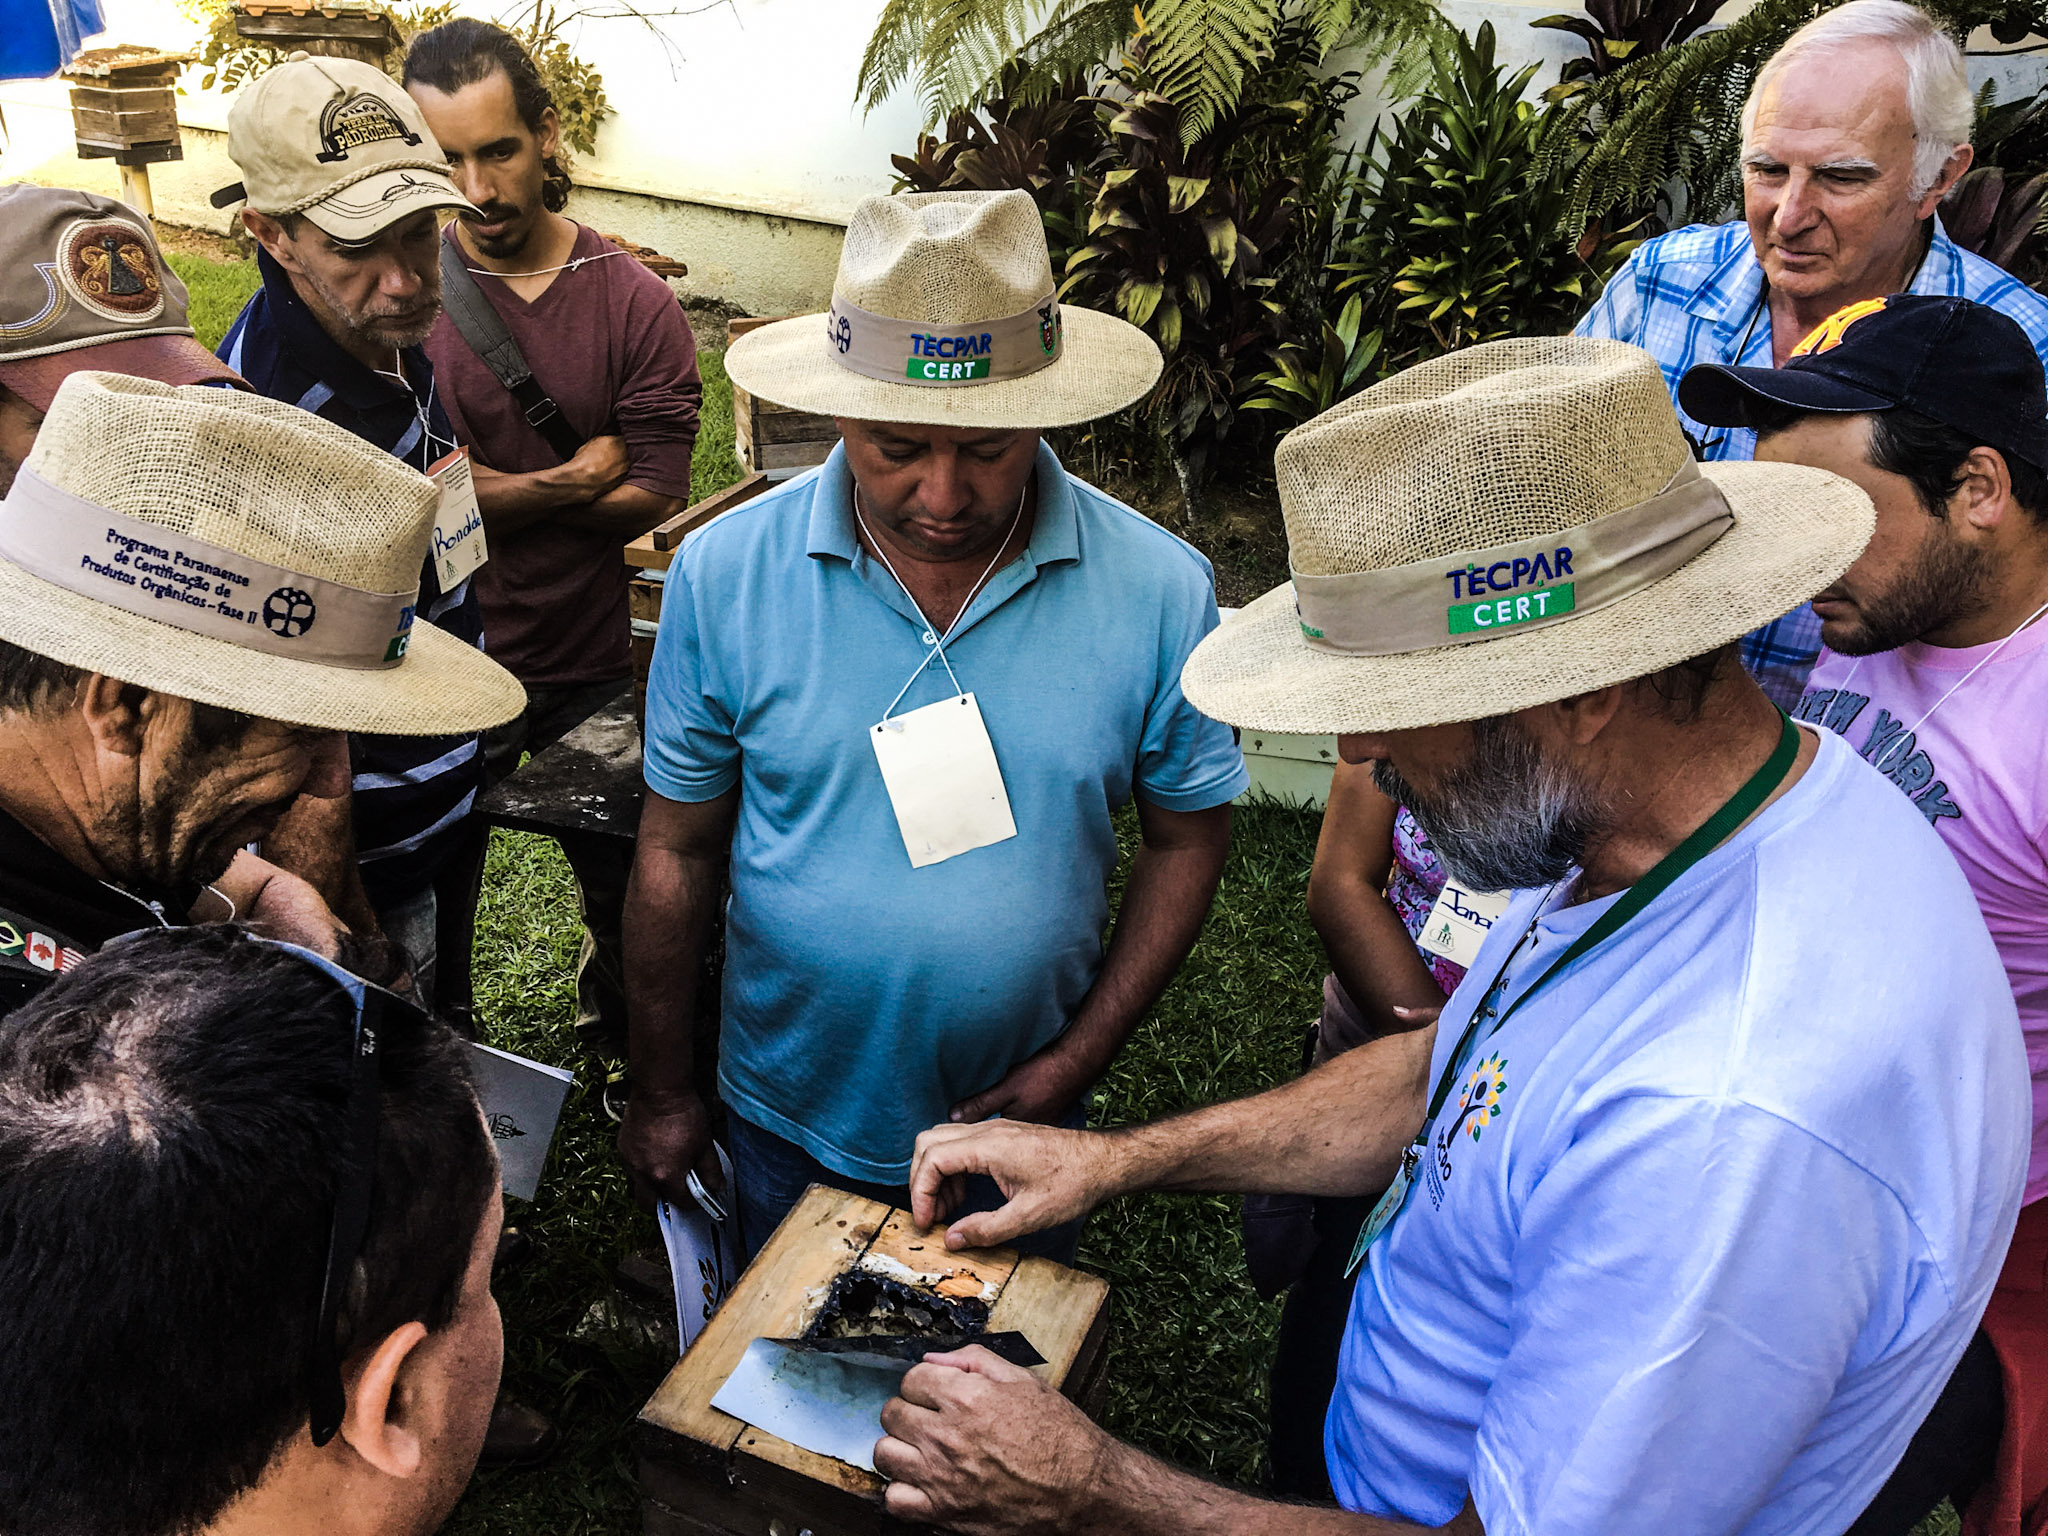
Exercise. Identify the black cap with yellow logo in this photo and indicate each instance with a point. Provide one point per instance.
(1960, 362)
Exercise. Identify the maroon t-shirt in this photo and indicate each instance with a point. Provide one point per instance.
(610, 345)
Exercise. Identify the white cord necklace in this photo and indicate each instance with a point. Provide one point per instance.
(567, 266)
(1980, 666)
(938, 641)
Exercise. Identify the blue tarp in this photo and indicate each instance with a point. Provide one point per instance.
(39, 37)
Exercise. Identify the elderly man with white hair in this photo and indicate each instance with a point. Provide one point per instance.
(1852, 133)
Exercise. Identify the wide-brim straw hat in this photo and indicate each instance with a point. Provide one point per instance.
(1507, 526)
(263, 535)
(945, 313)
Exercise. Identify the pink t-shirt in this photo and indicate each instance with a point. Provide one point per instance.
(1975, 768)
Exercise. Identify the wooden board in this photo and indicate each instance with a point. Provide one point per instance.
(767, 1303)
(126, 127)
(654, 549)
(704, 1472)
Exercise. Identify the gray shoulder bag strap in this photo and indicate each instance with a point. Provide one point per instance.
(484, 329)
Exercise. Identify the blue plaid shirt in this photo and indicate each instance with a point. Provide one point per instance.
(1696, 296)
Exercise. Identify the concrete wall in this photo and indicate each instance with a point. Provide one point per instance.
(736, 145)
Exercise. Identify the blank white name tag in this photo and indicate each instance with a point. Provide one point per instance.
(940, 770)
(459, 524)
(1458, 922)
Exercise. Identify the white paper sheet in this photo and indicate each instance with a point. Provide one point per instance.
(819, 1402)
(522, 1100)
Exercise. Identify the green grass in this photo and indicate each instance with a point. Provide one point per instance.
(1189, 1343)
(218, 290)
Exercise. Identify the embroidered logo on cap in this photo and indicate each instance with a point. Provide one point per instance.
(1828, 335)
(357, 118)
(106, 265)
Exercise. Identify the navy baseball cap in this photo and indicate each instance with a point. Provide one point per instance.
(1960, 362)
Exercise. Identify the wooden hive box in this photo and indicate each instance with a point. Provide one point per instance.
(342, 29)
(703, 1473)
(773, 440)
(648, 557)
(124, 104)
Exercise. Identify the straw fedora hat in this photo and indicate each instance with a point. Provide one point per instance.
(945, 313)
(233, 550)
(1507, 526)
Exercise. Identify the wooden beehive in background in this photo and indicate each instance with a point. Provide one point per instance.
(124, 108)
(773, 440)
(339, 29)
(704, 1473)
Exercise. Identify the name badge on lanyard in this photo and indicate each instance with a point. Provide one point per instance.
(939, 767)
(1459, 921)
(458, 523)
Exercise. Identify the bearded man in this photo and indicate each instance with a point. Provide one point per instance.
(342, 179)
(1692, 1054)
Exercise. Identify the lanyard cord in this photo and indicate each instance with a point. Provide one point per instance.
(1980, 666)
(567, 266)
(429, 438)
(939, 644)
(1704, 840)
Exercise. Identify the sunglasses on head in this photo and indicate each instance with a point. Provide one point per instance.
(357, 1167)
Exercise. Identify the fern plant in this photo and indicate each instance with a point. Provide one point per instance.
(1199, 53)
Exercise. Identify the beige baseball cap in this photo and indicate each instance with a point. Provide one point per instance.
(339, 142)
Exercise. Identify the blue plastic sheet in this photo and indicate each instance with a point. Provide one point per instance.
(39, 37)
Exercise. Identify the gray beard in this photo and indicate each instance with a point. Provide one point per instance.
(1507, 819)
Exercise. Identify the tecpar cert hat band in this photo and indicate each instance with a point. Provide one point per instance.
(914, 352)
(1454, 600)
(148, 569)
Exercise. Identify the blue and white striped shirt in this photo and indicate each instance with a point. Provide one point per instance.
(412, 793)
(1697, 296)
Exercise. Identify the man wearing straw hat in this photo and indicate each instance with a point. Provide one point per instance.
(1695, 1193)
(908, 691)
(200, 591)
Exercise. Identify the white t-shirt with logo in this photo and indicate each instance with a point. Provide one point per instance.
(1706, 1225)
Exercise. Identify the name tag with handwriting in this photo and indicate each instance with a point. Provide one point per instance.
(1459, 921)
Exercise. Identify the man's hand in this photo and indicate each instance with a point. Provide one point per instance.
(275, 902)
(599, 465)
(661, 1138)
(1040, 1089)
(1049, 1175)
(977, 1444)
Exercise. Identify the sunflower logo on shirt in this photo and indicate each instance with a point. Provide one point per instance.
(1479, 1100)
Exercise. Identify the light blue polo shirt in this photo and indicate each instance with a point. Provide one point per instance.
(1704, 1227)
(864, 998)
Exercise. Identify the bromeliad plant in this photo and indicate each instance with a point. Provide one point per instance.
(1616, 31)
